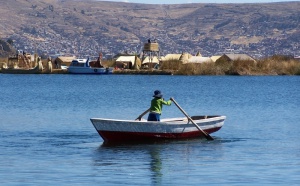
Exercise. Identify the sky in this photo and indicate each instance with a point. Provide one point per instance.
(199, 1)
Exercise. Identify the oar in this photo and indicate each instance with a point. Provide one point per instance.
(207, 136)
(140, 116)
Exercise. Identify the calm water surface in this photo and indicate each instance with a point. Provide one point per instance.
(47, 138)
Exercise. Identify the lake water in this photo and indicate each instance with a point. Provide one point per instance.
(46, 137)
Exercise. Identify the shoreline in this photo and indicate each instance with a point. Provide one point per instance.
(123, 72)
(160, 72)
(155, 72)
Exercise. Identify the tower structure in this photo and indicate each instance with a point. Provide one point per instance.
(150, 52)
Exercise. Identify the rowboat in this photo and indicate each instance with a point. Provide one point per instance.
(112, 130)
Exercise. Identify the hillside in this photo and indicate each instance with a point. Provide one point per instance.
(86, 27)
(6, 49)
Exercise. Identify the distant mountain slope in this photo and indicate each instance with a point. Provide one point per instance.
(6, 49)
(85, 27)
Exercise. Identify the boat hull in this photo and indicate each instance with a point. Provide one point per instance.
(35, 70)
(175, 128)
(89, 70)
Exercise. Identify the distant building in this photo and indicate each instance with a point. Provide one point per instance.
(184, 58)
(199, 59)
(128, 62)
(171, 57)
(235, 57)
(150, 62)
(199, 54)
(63, 60)
(214, 58)
(188, 58)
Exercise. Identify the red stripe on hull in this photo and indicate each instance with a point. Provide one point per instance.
(114, 136)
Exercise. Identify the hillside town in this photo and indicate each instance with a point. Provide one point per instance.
(50, 44)
(70, 29)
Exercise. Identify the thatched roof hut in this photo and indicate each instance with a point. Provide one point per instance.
(214, 58)
(199, 59)
(171, 57)
(128, 62)
(199, 54)
(64, 60)
(235, 57)
(150, 62)
(185, 57)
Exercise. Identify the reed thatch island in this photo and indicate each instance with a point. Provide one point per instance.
(150, 62)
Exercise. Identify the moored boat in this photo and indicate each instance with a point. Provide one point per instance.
(82, 66)
(112, 130)
(36, 70)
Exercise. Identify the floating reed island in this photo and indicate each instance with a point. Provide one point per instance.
(143, 72)
(275, 65)
(123, 72)
(150, 62)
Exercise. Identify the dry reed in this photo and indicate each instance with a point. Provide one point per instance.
(276, 65)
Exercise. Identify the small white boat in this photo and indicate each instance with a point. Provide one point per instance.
(112, 130)
(82, 66)
(63, 67)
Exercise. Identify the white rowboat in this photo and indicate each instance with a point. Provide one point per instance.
(112, 130)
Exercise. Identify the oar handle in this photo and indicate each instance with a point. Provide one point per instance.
(172, 99)
(207, 136)
(140, 116)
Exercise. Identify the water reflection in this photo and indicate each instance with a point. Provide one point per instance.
(157, 158)
(148, 152)
(155, 166)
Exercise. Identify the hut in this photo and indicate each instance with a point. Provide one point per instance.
(234, 57)
(63, 61)
(214, 58)
(184, 58)
(297, 57)
(128, 62)
(150, 62)
(199, 59)
(199, 54)
(169, 57)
